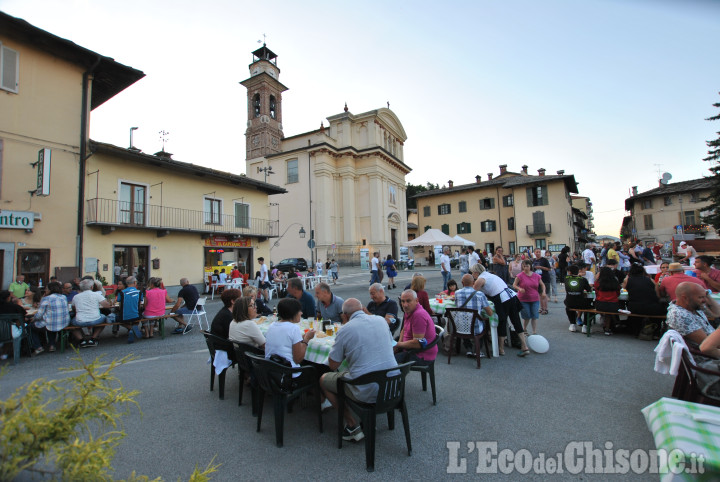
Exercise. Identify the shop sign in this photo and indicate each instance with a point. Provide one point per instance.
(17, 219)
(222, 241)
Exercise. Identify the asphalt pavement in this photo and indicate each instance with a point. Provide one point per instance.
(587, 390)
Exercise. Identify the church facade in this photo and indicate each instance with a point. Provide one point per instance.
(345, 182)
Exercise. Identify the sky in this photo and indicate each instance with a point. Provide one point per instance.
(615, 92)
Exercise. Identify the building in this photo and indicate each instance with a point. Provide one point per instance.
(517, 211)
(412, 223)
(345, 182)
(669, 209)
(86, 207)
(583, 219)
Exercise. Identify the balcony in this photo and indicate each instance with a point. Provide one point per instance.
(111, 215)
(538, 229)
(695, 228)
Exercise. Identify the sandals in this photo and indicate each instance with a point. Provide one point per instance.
(523, 353)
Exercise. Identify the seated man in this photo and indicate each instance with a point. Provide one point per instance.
(188, 295)
(87, 305)
(130, 299)
(686, 315)
(307, 303)
(576, 287)
(469, 298)
(9, 305)
(418, 332)
(329, 306)
(220, 325)
(668, 285)
(381, 305)
(366, 345)
(69, 292)
(706, 273)
(52, 316)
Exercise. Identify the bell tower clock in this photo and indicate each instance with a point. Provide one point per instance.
(264, 94)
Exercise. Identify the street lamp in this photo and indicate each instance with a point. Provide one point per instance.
(301, 233)
(267, 170)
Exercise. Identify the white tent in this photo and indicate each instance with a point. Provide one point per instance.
(432, 237)
(460, 241)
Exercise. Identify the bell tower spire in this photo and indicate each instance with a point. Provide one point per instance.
(264, 94)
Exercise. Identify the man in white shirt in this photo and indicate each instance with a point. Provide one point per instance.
(588, 256)
(374, 268)
(264, 283)
(319, 267)
(222, 276)
(445, 267)
(473, 257)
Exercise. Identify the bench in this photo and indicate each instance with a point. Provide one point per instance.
(161, 319)
(589, 320)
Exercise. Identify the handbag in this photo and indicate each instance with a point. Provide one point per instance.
(284, 381)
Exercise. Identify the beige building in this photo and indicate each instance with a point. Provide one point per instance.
(517, 211)
(345, 182)
(583, 219)
(656, 215)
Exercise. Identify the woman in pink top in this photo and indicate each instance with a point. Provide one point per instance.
(530, 289)
(155, 299)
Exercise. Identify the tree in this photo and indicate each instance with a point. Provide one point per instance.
(412, 189)
(714, 157)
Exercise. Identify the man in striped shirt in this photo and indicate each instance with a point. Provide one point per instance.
(52, 315)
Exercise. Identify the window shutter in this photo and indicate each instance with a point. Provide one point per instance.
(492, 203)
(529, 192)
(439, 210)
(544, 196)
(9, 69)
(445, 228)
(538, 218)
(428, 227)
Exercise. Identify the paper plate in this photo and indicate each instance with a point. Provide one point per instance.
(538, 343)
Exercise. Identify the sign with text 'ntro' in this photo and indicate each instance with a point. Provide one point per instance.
(43, 173)
(16, 219)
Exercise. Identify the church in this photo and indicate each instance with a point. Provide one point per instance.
(345, 181)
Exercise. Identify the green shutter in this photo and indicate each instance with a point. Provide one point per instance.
(492, 203)
(545, 201)
(445, 229)
(529, 192)
(428, 227)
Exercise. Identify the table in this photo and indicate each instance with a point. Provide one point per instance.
(318, 349)
(236, 283)
(622, 297)
(692, 428)
(312, 281)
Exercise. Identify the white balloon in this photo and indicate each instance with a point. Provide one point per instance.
(538, 343)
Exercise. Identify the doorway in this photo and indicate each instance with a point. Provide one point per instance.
(131, 261)
(393, 243)
(34, 264)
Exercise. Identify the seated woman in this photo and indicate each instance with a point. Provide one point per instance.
(418, 286)
(642, 297)
(242, 327)
(220, 324)
(285, 340)
(261, 308)
(607, 288)
(155, 299)
(451, 288)
(664, 266)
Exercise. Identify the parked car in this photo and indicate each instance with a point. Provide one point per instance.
(298, 263)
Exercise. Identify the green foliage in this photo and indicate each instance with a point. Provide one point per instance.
(412, 189)
(68, 428)
(714, 158)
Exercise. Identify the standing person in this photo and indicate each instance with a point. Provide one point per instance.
(552, 286)
(542, 267)
(390, 270)
(530, 289)
(688, 252)
(648, 257)
(319, 267)
(607, 288)
(473, 257)
(463, 262)
(445, 266)
(374, 268)
(515, 267)
(588, 257)
(334, 270)
(576, 288)
(264, 282)
(499, 264)
(19, 287)
(563, 262)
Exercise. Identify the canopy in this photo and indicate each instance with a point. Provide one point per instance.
(462, 241)
(432, 237)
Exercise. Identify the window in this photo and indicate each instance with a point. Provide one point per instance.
(256, 105)
(393, 194)
(242, 215)
(463, 228)
(487, 203)
(292, 171)
(511, 224)
(445, 228)
(537, 196)
(647, 204)
(444, 209)
(487, 226)
(508, 201)
(212, 208)
(427, 227)
(511, 247)
(462, 207)
(668, 200)
(689, 217)
(273, 113)
(9, 69)
(426, 211)
(490, 247)
(540, 244)
(694, 197)
(648, 221)
(132, 204)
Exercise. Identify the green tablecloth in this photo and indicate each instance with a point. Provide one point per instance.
(318, 349)
(679, 426)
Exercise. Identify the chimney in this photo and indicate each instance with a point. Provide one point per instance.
(561, 172)
(541, 171)
(634, 190)
(450, 184)
(489, 176)
(163, 155)
(503, 169)
(524, 169)
(478, 179)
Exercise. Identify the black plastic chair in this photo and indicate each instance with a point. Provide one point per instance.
(428, 369)
(7, 321)
(268, 374)
(390, 396)
(215, 342)
(461, 322)
(245, 368)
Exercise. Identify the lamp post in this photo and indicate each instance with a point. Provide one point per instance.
(301, 233)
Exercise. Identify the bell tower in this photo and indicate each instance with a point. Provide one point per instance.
(264, 95)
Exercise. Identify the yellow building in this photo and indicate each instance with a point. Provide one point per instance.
(517, 211)
(345, 182)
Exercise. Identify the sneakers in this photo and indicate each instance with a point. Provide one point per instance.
(91, 343)
(470, 354)
(178, 331)
(51, 348)
(131, 336)
(326, 405)
(608, 332)
(83, 344)
(573, 328)
(188, 328)
(584, 329)
(353, 435)
(37, 351)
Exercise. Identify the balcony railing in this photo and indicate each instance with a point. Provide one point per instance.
(695, 228)
(536, 229)
(121, 214)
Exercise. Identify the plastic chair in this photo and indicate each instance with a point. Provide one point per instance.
(428, 369)
(271, 290)
(214, 343)
(198, 311)
(7, 321)
(268, 374)
(462, 326)
(686, 385)
(390, 396)
(245, 367)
